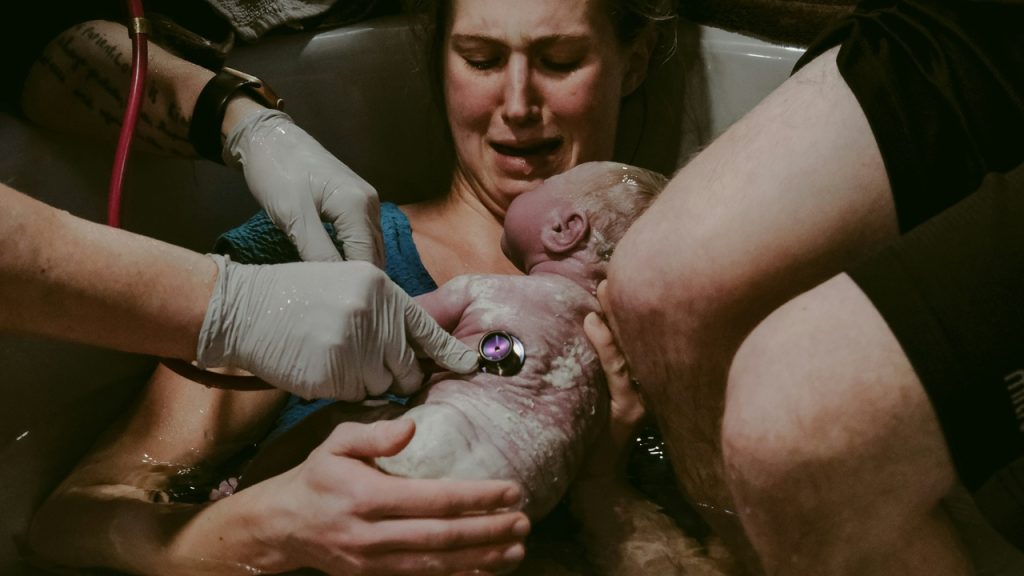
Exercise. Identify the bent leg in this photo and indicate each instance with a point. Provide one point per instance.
(784, 199)
(833, 452)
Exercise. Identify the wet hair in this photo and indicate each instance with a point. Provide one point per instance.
(613, 199)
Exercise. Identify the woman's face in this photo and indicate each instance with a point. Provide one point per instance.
(532, 88)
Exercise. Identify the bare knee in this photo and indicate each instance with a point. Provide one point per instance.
(771, 436)
(824, 423)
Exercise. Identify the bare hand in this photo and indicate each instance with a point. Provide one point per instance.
(609, 454)
(338, 514)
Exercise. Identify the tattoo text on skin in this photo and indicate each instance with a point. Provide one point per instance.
(1015, 387)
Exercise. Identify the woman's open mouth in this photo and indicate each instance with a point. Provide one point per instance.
(526, 150)
(530, 160)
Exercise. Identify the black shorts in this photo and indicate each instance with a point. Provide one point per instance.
(941, 83)
(952, 291)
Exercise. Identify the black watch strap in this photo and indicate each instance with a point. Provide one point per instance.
(204, 130)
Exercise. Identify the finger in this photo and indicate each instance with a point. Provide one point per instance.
(307, 233)
(435, 534)
(499, 559)
(358, 229)
(626, 404)
(442, 347)
(608, 352)
(382, 438)
(375, 378)
(420, 497)
(401, 361)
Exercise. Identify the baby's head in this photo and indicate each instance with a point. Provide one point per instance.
(581, 213)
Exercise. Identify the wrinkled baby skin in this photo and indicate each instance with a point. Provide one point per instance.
(533, 427)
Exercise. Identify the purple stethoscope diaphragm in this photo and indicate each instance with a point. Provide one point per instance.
(501, 353)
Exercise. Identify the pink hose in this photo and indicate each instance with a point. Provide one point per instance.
(131, 113)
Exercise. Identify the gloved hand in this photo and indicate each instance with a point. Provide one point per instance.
(299, 183)
(323, 330)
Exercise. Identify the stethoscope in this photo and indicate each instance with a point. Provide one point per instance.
(501, 353)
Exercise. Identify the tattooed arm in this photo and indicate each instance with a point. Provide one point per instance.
(80, 83)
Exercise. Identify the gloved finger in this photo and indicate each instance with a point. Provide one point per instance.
(446, 350)
(377, 378)
(401, 361)
(357, 226)
(306, 231)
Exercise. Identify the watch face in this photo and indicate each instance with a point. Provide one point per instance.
(501, 353)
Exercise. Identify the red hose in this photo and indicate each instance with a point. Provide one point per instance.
(131, 113)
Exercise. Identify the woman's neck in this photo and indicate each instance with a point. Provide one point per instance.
(456, 235)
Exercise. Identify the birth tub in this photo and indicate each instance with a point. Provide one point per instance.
(358, 90)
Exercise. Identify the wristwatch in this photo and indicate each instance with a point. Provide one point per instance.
(204, 131)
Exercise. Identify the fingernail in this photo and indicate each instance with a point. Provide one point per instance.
(513, 496)
(521, 527)
(514, 553)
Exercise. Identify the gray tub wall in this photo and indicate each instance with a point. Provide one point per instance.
(359, 92)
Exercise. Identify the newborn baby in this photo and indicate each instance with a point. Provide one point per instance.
(532, 427)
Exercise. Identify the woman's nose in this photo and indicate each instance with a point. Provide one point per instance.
(521, 104)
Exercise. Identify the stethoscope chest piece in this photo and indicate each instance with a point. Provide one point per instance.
(501, 353)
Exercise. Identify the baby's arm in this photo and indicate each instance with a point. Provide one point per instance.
(447, 304)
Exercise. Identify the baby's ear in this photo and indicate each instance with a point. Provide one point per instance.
(567, 232)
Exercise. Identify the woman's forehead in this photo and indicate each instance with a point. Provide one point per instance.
(526, 19)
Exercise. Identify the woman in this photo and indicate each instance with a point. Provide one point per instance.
(529, 91)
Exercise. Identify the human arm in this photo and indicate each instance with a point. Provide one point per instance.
(332, 508)
(79, 85)
(67, 278)
(622, 531)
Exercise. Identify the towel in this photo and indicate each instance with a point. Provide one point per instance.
(253, 18)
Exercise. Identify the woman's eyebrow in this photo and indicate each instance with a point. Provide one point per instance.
(539, 42)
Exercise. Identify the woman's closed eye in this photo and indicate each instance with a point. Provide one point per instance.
(561, 66)
(482, 63)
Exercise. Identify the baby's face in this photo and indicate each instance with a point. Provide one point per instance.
(540, 209)
(529, 215)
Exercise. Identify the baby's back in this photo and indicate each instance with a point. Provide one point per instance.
(532, 427)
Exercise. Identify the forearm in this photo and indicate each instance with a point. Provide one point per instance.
(117, 527)
(80, 85)
(112, 511)
(67, 278)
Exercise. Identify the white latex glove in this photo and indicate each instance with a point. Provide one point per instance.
(323, 330)
(300, 184)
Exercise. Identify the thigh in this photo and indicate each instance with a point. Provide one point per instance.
(822, 394)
